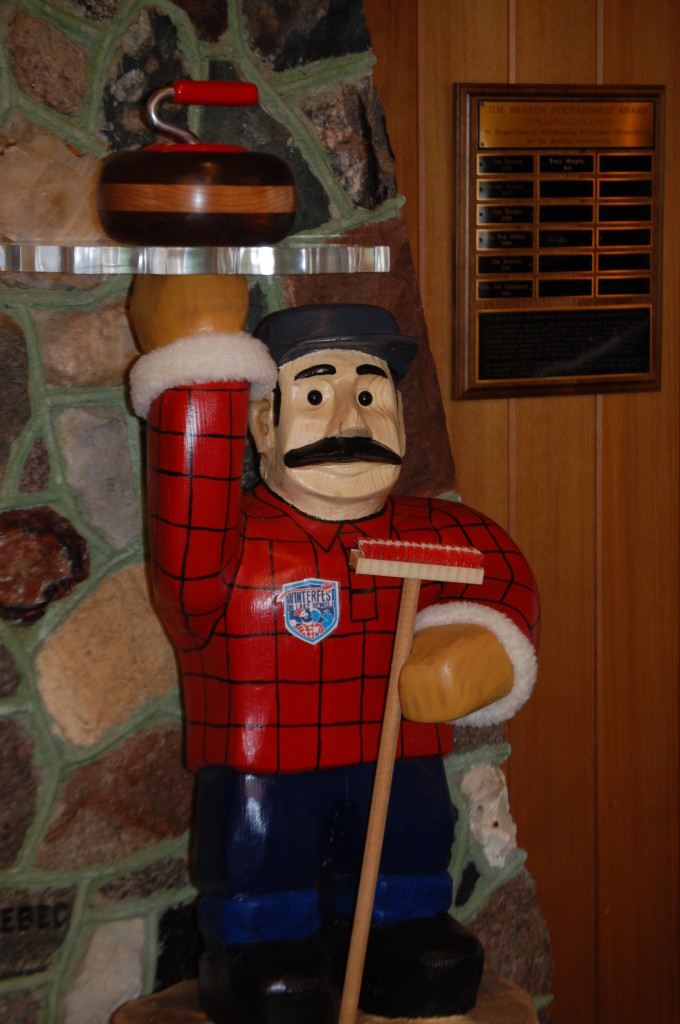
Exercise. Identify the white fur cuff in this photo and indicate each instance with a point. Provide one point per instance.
(203, 359)
(519, 649)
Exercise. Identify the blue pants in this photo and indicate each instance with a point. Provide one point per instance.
(276, 853)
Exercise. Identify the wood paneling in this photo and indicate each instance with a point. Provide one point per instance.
(472, 44)
(551, 770)
(554, 510)
(556, 42)
(590, 487)
(638, 780)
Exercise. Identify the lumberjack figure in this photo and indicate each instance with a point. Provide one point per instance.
(285, 651)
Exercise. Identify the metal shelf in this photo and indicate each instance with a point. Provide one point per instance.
(165, 260)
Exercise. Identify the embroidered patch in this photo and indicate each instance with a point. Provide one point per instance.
(311, 608)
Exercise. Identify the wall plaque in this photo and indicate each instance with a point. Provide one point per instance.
(558, 201)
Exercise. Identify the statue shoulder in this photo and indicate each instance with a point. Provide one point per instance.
(432, 511)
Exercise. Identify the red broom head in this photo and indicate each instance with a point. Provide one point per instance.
(422, 561)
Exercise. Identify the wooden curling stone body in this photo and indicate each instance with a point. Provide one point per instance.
(196, 195)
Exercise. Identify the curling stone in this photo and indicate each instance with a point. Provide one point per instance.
(188, 193)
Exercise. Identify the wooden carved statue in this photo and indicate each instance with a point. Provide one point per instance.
(285, 648)
(285, 654)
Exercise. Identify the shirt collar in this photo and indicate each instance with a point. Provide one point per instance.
(326, 531)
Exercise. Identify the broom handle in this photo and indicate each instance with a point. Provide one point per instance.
(387, 750)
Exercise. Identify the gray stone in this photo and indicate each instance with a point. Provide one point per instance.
(93, 10)
(33, 926)
(15, 408)
(99, 469)
(163, 876)
(21, 1008)
(210, 19)
(35, 476)
(348, 118)
(513, 931)
(148, 57)
(288, 34)
(19, 790)
(468, 738)
(10, 676)
(47, 65)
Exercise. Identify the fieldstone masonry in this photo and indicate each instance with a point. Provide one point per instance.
(33, 926)
(96, 900)
(15, 409)
(18, 796)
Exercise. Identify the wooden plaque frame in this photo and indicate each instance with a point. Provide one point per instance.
(558, 239)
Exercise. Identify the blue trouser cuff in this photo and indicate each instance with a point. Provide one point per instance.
(266, 917)
(397, 897)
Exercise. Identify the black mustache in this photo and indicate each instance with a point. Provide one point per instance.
(341, 449)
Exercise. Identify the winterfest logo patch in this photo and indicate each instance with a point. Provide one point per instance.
(311, 608)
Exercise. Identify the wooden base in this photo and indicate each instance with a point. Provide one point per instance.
(499, 1002)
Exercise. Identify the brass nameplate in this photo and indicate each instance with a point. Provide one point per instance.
(557, 124)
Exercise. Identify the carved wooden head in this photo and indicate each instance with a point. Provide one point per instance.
(331, 436)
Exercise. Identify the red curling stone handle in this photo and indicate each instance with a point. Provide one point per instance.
(215, 94)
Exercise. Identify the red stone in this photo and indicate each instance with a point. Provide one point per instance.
(135, 795)
(42, 558)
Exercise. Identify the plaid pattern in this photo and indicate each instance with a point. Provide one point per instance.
(257, 697)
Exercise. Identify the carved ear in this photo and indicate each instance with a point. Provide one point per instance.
(260, 423)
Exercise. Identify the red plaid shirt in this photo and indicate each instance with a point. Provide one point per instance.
(257, 695)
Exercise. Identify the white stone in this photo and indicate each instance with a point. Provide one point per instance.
(486, 795)
(110, 974)
(48, 188)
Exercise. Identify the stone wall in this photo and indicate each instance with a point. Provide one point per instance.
(96, 901)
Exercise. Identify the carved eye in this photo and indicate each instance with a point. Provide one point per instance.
(364, 398)
(314, 397)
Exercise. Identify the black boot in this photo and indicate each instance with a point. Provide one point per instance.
(268, 983)
(431, 967)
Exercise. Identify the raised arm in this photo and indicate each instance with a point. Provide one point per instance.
(195, 394)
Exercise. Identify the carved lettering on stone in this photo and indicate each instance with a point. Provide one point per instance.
(33, 926)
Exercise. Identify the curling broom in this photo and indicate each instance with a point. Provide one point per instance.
(412, 563)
